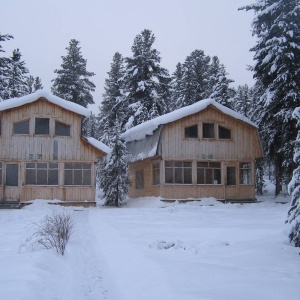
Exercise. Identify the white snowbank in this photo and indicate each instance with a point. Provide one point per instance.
(16, 102)
(99, 145)
(139, 132)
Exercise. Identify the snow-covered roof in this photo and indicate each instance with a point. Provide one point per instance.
(71, 106)
(139, 132)
(97, 144)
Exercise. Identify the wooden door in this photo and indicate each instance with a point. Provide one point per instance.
(231, 182)
(11, 182)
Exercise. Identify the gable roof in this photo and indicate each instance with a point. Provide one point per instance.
(140, 131)
(68, 105)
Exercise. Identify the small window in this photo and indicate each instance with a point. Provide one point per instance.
(42, 126)
(245, 173)
(191, 132)
(231, 177)
(208, 130)
(156, 172)
(21, 127)
(139, 179)
(224, 133)
(62, 129)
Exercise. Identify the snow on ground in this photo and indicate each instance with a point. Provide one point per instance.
(153, 250)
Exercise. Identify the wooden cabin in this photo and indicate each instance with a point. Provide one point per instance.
(43, 154)
(202, 150)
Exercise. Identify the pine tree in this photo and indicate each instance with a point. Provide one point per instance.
(113, 106)
(147, 83)
(277, 69)
(114, 171)
(243, 101)
(72, 82)
(17, 73)
(33, 84)
(294, 210)
(177, 87)
(4, 62)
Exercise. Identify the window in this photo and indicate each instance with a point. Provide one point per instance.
(78, 174)
(208, 173)
(0, 173)
(156, 172)
(42, 126)
(245, 173)
(224, 133)
(191, 132)
(139, 179)
(208, 130)
(231, 178)
(21, 127)
(12, 174)
(41, 173)
(178, 172)
(62, 129)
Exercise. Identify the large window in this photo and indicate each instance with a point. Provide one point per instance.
(224, 133)
(156, 172)
(208, 130)
(62, 129)
(231, 177)
(139, 179)
(77, 174)
(208, 173)
(42, 126)
(245, 173)
(191, 132)
(42, 173)
(178, 172)
(21, 127)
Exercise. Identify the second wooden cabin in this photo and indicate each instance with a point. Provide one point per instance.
(202, 150)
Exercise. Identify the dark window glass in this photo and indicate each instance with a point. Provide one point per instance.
(208, 130)
(224, 133)
(41, 177)
(78, 174)
(62, 129)
(191, 132)
(21, 127)
(178, 172)
(12, 174)
(0, 173)
(155, 173)
(231, 177)
(139, 179)
(208, 173)
(42, 126)
(87, 177)
(41, 174)
(68, 180)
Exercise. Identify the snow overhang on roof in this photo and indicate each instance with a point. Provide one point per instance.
(139, 132)
(68, 105)
(97, 144)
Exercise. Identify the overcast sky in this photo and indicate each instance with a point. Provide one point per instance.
(42, 30)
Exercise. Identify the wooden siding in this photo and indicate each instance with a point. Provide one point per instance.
(19, 149)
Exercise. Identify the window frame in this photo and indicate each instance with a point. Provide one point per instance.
(156, 172)
(47, 169)
(205, 132)
(75, 172)
(139, 179)
(213, 167)
(19, 122)
(245, 172)
(35, 126)
(183, 172)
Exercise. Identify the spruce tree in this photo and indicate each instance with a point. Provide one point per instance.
(294, 187)
(72, 82)
(243, 101)
(277, 69)
(4, 65)
(147, 83)
(113, 106)
(17, 73)
(114, 171)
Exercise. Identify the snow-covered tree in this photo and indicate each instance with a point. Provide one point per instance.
(33, 84)
(277, 69)
(114, 171)
(113, 106)
(243, 101)
(147, 83)
(72, 82)
(4, 62)
(17, 76)
(294, 187)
